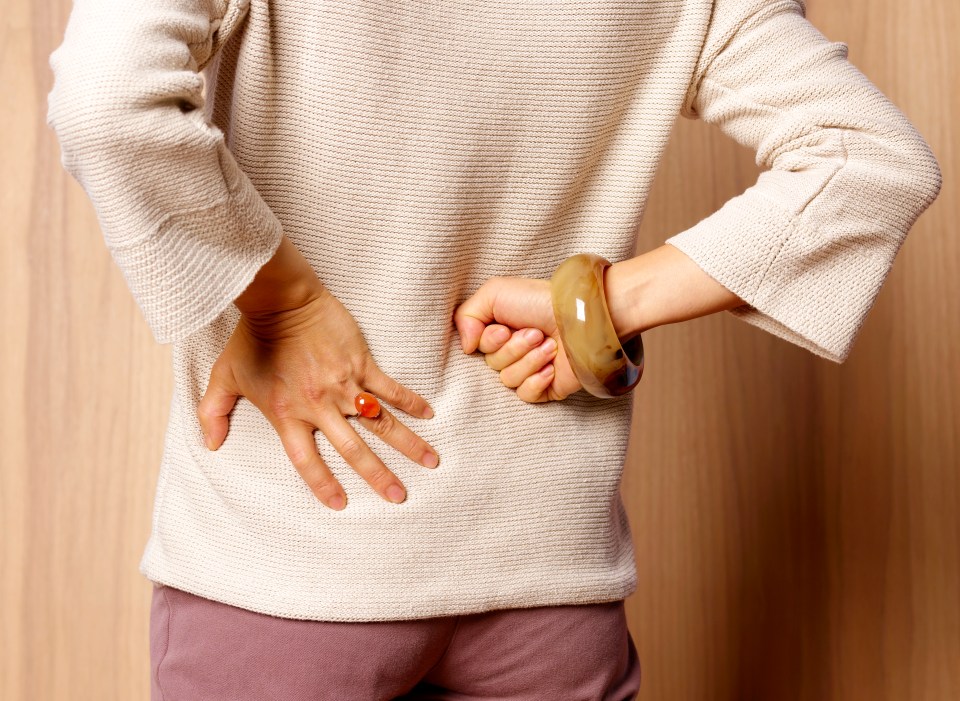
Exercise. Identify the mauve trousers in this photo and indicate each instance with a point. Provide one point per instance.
(205, 650)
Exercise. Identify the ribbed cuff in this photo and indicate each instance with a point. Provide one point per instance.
(798, 284)
(197, 263)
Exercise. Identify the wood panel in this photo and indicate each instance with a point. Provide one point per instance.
(796, 521)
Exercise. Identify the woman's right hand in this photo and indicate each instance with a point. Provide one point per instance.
(302, 366)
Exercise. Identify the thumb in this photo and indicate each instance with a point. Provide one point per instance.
(216, 404)
(472, 317)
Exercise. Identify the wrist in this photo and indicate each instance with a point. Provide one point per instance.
(626, 287)
(661, 286)
(284, 282)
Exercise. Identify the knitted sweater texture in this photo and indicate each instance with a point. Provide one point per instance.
(412, 150)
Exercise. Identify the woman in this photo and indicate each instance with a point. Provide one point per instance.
(327, 207)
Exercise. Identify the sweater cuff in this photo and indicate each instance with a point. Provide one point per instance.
(196, 263)
(799, 284)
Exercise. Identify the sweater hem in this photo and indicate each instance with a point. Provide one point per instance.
(379, 611)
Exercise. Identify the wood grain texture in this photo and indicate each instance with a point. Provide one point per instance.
(796, 521)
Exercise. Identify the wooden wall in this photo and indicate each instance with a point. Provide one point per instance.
(797, 522)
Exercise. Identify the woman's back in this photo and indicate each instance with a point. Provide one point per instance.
(411, 152)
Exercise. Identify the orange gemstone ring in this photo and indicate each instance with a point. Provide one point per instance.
(367, 405)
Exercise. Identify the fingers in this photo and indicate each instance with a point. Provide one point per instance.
(524, 361)
(474, 314)
(535, 388)
(216, 404)
(524, 353)
(493, 337)
(359, 456)
(517, 346)
(391, 431)
(391, 391)
(300, 446)
(533, 360)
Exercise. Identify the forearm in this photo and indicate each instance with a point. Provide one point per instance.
(659, 287)
(286, 281)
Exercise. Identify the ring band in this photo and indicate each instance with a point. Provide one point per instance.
(605, 367)
(367, 405)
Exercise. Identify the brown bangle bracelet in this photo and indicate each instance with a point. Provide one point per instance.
(605, 367)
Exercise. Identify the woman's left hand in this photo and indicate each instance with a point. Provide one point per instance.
(494, 321)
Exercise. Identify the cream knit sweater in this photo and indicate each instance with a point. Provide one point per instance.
(412, 150)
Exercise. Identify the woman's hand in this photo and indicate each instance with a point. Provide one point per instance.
(535, 365)
(302, 364)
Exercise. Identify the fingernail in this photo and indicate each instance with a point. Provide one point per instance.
(532, 334)
(501, 334)
(395, 493)
(430, 459)
(336, 502)
(549, 344)
(428, 413)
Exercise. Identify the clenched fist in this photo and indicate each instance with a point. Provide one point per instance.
(511, 321)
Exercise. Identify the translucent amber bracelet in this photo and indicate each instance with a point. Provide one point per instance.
(604, 366)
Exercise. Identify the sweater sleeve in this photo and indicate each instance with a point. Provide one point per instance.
(182, 222)
(846, 174)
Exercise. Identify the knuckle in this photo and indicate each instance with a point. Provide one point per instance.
(362, 365)
(314, 393)
(340, 377)
(279, 404)
(384, 424)
(299, 455)
(395, 395)
(415, 446)
(381, 478)
(351, 449)
(321, 482)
